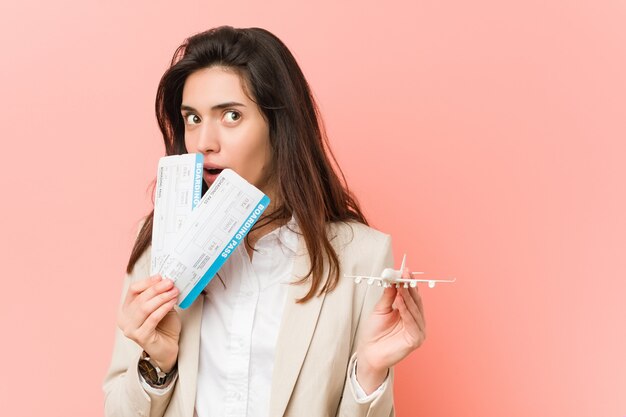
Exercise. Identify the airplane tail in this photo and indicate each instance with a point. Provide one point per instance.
(402, 266)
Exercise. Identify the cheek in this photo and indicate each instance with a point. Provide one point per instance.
(259, 158)
(264, 154)
(253, 163)
(189, 145)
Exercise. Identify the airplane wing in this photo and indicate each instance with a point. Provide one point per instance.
(388, 282)
(368, 279)
(405, 282)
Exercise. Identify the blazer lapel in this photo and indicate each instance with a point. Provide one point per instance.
(296, 331)
(190, 347)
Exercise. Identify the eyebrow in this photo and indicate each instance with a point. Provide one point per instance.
(216, 107)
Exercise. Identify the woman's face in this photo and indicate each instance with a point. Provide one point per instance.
(226, 126)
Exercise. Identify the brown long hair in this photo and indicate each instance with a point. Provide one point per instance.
(309, 184)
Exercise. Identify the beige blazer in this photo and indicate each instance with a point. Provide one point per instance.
(316, 343)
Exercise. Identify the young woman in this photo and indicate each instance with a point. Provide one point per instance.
(281, 333)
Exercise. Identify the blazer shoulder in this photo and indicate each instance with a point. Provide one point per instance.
(353, 237)
(357, 234)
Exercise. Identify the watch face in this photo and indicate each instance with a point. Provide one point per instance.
(148, 372)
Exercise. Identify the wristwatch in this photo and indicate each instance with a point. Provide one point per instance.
(151, 372)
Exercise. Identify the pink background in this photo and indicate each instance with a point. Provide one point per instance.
(488, 137)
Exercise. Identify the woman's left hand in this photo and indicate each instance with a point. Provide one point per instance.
(395, 328)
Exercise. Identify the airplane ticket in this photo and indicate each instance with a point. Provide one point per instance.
(178, 191)
(210, 234)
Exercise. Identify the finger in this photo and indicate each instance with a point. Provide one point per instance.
(412, 307)
(409, 302)
(149, 306)
(140, 286)
(149, 300)
(384, 305)
(417, 298)
(414, 292)
(416, 333)
(156, 289)
(155, 318)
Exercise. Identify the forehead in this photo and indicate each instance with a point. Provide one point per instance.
(214, 85)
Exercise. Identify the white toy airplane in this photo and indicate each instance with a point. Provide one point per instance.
(392, 276)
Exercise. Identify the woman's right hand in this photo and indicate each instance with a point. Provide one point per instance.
(147, 317)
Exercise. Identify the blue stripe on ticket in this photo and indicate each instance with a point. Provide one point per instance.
(228, 250)
(197, 180)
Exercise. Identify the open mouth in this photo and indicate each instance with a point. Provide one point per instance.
(214, 171)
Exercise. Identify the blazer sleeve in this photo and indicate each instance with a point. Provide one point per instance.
(124, 395)
(382, 405)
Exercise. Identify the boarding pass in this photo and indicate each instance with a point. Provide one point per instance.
(210, 234)
(178, 191)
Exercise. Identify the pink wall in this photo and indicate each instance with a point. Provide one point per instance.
(487, 137)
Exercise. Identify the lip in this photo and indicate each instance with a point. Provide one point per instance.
(208, 176)
(212, 166)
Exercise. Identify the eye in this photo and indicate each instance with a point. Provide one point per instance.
(191, 119)
(232, 116)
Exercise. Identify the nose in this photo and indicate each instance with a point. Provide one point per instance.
(208, 138)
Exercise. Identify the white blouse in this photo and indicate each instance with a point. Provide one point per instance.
(240, 323)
